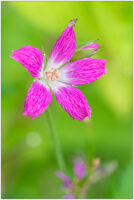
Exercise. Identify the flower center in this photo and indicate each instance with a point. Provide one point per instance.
(52, 74)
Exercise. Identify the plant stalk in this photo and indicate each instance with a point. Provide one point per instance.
(55, 139)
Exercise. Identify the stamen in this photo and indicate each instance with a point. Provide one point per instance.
(52, 74)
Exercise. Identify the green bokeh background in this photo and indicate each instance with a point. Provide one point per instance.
(28, 159)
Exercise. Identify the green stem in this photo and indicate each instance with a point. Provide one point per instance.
(89, 142)
(55, 139)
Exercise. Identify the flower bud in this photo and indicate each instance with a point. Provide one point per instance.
(79, 169)
(85, 50)
(65, 179)
(69, 196)
(93, 46)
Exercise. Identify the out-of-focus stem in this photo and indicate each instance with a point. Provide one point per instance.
(89, 141)
(55, 139)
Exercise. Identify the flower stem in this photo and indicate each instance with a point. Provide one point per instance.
(55, 139)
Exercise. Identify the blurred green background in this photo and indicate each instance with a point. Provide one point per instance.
(28, 160)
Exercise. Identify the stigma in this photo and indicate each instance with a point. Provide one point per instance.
(52, 74)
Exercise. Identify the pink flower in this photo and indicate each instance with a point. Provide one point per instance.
(59, 80)
(80, 169)
(93, 46)
(65, 179)
(69, 196)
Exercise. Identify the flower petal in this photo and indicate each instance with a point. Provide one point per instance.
(72, 100)
(82, 71)
(31, 58)
(64, 48)
(37, 100)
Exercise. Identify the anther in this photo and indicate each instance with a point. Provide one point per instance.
(52, 74)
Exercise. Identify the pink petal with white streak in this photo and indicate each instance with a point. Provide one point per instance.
(31, 58)
(37, 100)
(72, 100)
(64, 48)
(83, 71)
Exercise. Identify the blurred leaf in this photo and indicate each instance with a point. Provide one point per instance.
(124, 187)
